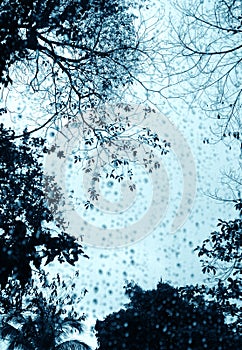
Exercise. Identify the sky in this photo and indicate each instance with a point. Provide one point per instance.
(156, 253)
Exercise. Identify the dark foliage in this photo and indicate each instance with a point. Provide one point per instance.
(163, 319)
(221, 257)
(42, 318)
(24, 214)
(86, 47)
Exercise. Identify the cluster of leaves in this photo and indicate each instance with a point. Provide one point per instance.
(222, 256)
(163, 318)
(25, 238)
(73, 55)
(78, 52)
(111, 142)
(40, 319)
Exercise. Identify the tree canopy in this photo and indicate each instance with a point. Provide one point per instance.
(43, 317)
(73, 54)
(25, 238)
(164, 319)
(221, 258)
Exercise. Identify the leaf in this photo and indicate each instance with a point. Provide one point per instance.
(88, 204)
(132, 187)
(60, 154)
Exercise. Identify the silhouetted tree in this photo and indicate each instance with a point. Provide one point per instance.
(79, 52)
(164, 319)
(43, 318)
(204, 57)
(221, 256)
(71, 56)
(25, 238)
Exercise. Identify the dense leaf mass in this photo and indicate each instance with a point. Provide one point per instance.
(83, 49)
(163, 318)
(38, 320)
(221, 256)
(25, 238)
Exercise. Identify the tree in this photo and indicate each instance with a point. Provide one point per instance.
(43, 317)
(206, 51)
(164, 319)
(72, 54)
(208, 44)
(221, 257)
(25, 238)
(207, 47)
(110, 150)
